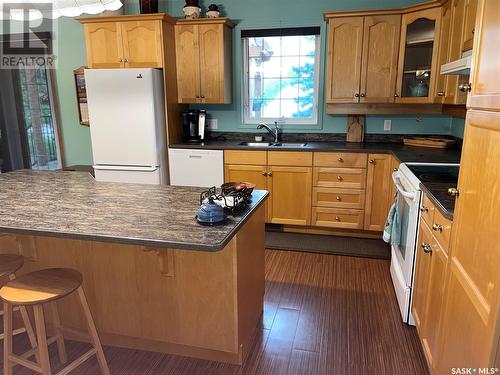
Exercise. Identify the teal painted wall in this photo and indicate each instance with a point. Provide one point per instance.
(457, 127)
(248, 14)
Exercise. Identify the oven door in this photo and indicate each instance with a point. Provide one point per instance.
(403, 255)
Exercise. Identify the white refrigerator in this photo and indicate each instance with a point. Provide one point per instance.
(127, 125)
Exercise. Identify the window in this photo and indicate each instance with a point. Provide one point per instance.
(280, 80)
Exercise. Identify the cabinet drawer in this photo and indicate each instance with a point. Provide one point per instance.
(289, 158)
(337, 218)
(245, 157)
(340, 159)
(351, 178)
(441, 227)
(427, 210)
(339, 198)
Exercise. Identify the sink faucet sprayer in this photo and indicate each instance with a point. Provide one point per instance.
(275, 133)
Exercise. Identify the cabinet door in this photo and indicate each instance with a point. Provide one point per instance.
(422, 276)
(447, 34)
(290, 189)
(456, 10)
(469, 24)
(418, 56)
(469, 334)
(378, 187)
(188, 63)
(345, 39)
(485, 73)
(142, 44)
(394, 167)
(211, 39)
(104, 45)
(380, 58)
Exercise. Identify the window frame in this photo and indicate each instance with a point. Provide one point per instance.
(248, 120)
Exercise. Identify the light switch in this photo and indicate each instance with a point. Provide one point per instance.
(212, 123)
(387, 125)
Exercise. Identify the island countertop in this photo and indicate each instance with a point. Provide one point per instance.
(74, 205)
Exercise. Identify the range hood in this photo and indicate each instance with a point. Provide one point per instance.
(458, 67)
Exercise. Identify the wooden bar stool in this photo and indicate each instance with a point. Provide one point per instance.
(35, 289)
(9, 265)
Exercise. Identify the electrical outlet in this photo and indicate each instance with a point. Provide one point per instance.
(387, 125)
(212, 123)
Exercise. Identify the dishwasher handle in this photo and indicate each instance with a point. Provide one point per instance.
(399, 187)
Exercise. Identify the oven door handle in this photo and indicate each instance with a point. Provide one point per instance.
(400, 188)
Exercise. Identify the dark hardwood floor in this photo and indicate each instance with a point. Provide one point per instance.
(323, 314)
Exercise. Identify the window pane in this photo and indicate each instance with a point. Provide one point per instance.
(272, 67)
(307, 45)
(289, 108)
(290, 45)
(289, 88)
(271, 88)
(271, 108)
(290, 66)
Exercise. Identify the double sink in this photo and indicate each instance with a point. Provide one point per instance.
(278, 144)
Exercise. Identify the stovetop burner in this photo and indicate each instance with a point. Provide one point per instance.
(435, 173)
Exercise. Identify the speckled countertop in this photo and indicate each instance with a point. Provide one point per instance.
(74, 205)
(438, 194)
(402, 152)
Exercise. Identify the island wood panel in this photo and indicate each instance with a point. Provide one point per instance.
(380, 58)
(344, 49)
(192, 303)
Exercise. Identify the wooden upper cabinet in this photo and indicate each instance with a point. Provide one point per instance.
(470, 323)
(142, 44)
(188, 63)
(378, 187)
(204, 60)
(418, 56)
(345, 41)
(379, 58)
(469, 24)
(485, 71)
(104, 45)
(132, 41)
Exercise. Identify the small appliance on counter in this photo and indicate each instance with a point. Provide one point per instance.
(193, 125)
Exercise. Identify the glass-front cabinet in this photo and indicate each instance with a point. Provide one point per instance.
(418, 57)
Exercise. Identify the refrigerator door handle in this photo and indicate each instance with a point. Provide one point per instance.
(125, 168)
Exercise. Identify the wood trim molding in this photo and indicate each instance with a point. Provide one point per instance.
(454, 110)
(383, 108)
(387, 11)
(129, 17)
(196, 21)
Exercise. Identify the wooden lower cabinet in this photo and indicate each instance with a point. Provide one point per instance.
(378, 187)
(290, 195)
(421, 282)
(337, 218)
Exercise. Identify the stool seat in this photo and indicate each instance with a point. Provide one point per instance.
(10, 263)
(41, 286)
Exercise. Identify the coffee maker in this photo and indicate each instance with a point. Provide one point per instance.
(193, 125)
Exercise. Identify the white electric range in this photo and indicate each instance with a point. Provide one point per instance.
(407, 180)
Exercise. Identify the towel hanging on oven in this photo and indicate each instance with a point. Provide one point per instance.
(392, 228)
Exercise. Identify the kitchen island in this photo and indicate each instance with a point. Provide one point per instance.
(155, 279)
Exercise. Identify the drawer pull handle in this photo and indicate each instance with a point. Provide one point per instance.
(337, 218)
(424, 209)
(426, 248)
(437, 227)
(264, 174)
(270, 174)
(338, 198)
(371, 161)
(340, 160)
(340, 178)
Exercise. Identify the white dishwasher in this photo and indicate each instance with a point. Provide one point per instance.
(194, 167)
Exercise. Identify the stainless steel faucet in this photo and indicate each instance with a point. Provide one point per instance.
(275, 133)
